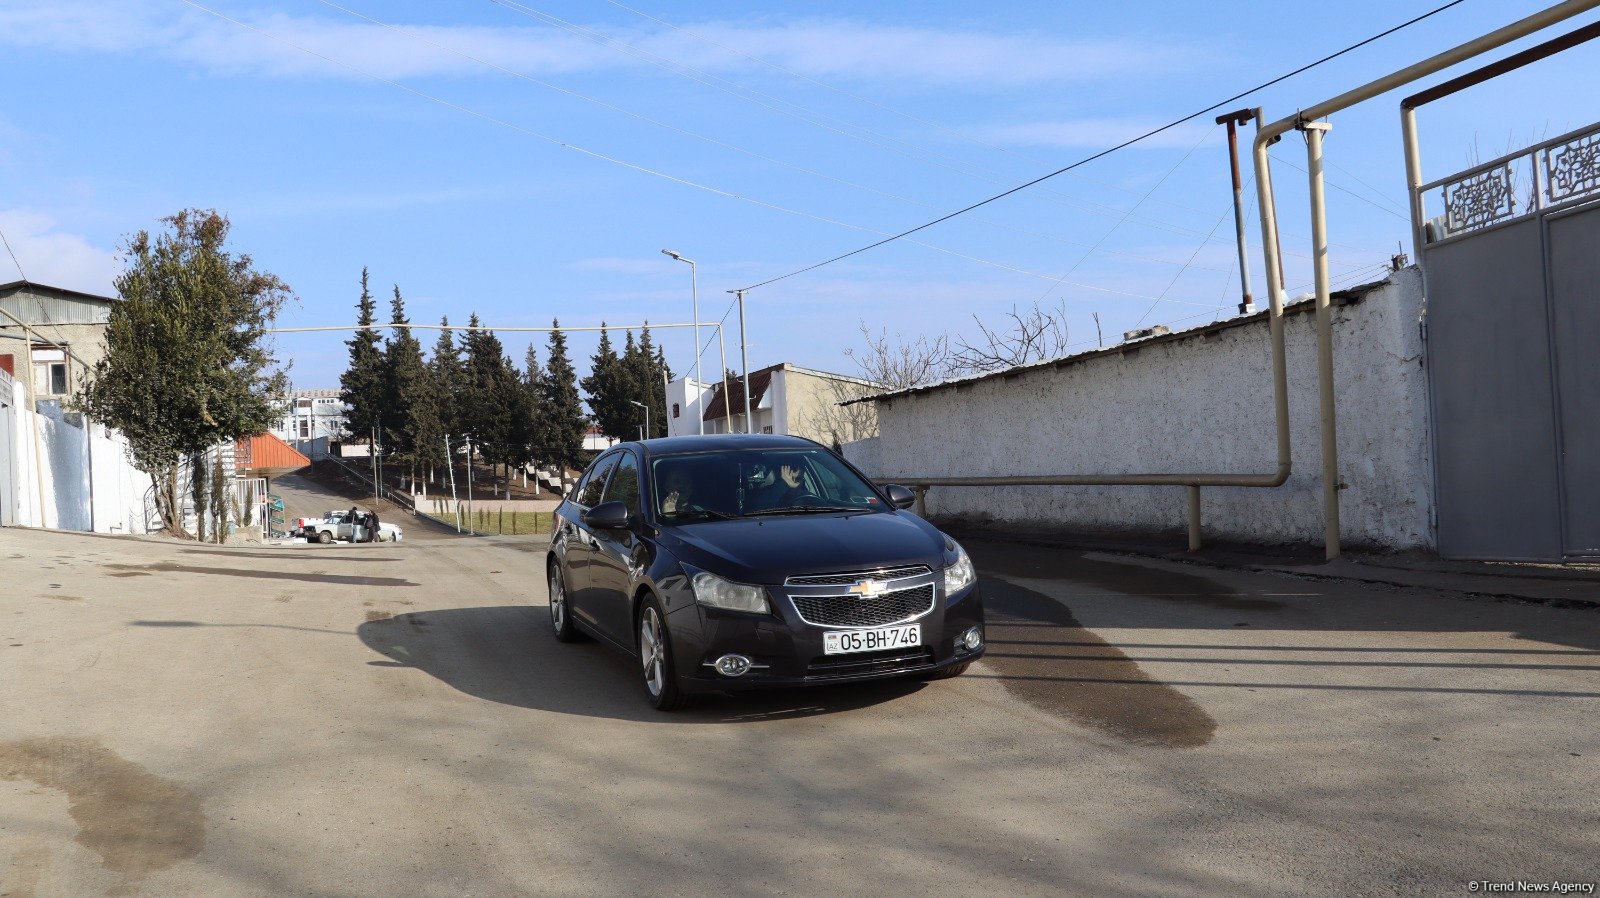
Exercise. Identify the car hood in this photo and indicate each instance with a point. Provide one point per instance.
(768, 549)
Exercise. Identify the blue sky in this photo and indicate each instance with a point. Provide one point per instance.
(829, 123)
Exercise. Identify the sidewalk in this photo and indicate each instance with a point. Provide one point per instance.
(1574, 585)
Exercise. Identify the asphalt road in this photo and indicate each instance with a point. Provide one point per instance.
(395, 720)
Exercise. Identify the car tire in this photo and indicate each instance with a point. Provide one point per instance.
(659, 670)
(324, 537)
(560, 609)
(947, 673)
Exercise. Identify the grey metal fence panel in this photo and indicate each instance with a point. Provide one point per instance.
(1496, 478)
(1573, 242)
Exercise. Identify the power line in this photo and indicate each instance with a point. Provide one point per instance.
(13, 256)
(818, 119)
(1113, 229)
(1103, 153)
(622, 162)
(708, 138)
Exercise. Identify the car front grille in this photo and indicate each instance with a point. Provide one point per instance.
(856, 611)
(870, 662)
(895, 573)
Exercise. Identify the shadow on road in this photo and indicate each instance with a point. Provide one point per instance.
(506, 654)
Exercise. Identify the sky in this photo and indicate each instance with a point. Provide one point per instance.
(528, 161)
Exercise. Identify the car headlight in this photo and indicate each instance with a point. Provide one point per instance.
(959, 574)
(709, 589)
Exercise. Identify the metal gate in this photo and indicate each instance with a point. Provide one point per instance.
(1512, 261)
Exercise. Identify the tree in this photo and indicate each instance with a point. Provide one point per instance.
(647, 365)
(532, 430)
(188, 362)
(562, 414)
(446, 367)
(1032, 336)
(658, 386)
(411, 408)
(607, 392)
(482, 411)
(362, 386)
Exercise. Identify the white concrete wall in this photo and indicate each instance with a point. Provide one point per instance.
(70, 490)
(1197, 404)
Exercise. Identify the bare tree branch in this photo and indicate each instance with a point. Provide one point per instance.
(1031, 336)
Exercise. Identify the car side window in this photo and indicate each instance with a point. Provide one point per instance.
(594, 486)
(624, 486)
(583, 481)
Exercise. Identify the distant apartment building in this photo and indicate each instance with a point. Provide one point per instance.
(312, 415)
(51, 337)
(784, 399)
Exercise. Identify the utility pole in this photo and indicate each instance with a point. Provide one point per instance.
(468, 438)
(744, 363)
(1233, 120)
(450, 463)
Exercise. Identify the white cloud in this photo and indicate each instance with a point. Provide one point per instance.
(54, 257)
(816, 48)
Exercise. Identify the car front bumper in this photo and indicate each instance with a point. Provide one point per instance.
(788, 652)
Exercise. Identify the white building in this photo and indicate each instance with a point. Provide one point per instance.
(784, 399)
(311, 415)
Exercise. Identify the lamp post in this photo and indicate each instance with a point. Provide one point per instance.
(643, 434)
(744, 362)
(694, 292)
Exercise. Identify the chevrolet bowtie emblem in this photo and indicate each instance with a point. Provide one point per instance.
(868, 589)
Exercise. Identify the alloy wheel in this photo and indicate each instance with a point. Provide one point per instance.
(558, 601)
(651, 652)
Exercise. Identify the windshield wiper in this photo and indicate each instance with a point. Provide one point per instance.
(805, 509)
(715, 515)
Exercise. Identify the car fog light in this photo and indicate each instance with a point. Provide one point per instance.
(972, 640)
(733, 665)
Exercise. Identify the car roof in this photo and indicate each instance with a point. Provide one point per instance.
(713, 441)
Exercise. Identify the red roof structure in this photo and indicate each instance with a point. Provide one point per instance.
(264, 455)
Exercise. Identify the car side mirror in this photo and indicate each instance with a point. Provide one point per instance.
(608, 516)
(900, 496)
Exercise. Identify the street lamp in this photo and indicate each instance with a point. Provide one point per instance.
(694, 289)
(643, 433)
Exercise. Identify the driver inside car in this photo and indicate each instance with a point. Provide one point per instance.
(678, 488)
(782, 485)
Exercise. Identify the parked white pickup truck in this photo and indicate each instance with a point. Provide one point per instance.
(335, 526)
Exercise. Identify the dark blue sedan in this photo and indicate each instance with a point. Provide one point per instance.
(736, 562)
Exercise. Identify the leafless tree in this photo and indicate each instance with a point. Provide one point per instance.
(900, 364)
(830, 421)
(1032, 336)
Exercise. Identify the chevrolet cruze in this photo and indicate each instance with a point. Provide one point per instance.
(732, 562)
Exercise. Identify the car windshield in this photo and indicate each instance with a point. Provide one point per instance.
(749, 482)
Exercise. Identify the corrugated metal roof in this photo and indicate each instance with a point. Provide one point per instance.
(1339, 297)
(264, 455)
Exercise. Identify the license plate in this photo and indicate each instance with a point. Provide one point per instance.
(843, 642)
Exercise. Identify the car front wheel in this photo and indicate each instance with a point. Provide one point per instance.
(560, 614)
(655, 658)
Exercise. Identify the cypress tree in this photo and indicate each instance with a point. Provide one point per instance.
(565, 423)
(411, 420)
(533, 424)
(606, 405)
(362, 384)
(446, 367)
(647, 365)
